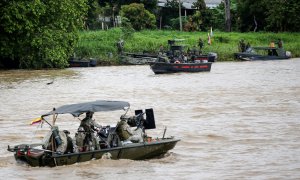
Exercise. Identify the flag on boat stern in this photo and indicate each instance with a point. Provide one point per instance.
(36, 121)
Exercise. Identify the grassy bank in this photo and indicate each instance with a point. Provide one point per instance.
(100, 44)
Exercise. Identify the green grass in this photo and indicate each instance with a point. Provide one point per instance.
(98, 44)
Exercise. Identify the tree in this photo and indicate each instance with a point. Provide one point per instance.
(275, 16)
(150, 5)
(138, 16)
(252, 15)
(39, 33)
(215, 18)
(283, 15)
(169, 14)
(199, 5)
(196, 21)
(115, 7)
(227, 15)
(94, 10)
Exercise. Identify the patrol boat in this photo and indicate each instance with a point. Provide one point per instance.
(163, 67)
(108, 143)
(263, 53)
(175, 60)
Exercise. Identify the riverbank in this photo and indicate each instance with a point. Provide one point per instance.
(102, 44)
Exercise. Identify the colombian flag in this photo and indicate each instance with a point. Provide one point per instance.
(36, 121)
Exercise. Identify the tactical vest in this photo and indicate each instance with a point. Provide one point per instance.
(123, 134)
(86, 124)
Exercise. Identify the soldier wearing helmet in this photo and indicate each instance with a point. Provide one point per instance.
(89, 126)
(126, 133)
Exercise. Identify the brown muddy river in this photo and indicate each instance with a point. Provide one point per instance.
(239, 121)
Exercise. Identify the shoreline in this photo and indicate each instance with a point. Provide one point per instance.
(107, 64)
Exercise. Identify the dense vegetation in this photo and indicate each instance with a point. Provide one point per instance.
(39, 34)
(99, 44)
(245, 15)
(44, 33)
(274, 16)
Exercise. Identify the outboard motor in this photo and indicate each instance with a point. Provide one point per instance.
(212, 56)
(288, 54)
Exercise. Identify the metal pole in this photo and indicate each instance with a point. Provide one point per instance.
(164, 132)
(54, 119)
(180, 21)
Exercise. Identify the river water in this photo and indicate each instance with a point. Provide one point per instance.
(239, 121)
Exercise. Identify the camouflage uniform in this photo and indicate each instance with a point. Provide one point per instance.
(120, 46)
(242, 45)
(200, 44)
(85, 136)
(126, 133)
(88, 124)
(63, 146)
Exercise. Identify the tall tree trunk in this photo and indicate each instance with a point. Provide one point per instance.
(255, 22)
(227, 15)
(180, 20)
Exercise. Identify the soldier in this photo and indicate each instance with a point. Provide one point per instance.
(89, 126)
(279, 43)
(273, 51)
(120, 46)
(79, 140)
(126, 133)
(70, 146)
(161, 50)
(200, 44)
(242, 45)
(272, 44)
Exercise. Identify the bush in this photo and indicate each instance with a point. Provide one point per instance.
(138, 16)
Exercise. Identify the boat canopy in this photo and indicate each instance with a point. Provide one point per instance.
(94, 106)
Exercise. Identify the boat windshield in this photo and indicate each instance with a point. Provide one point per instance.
(250, 50)
(265, 51)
